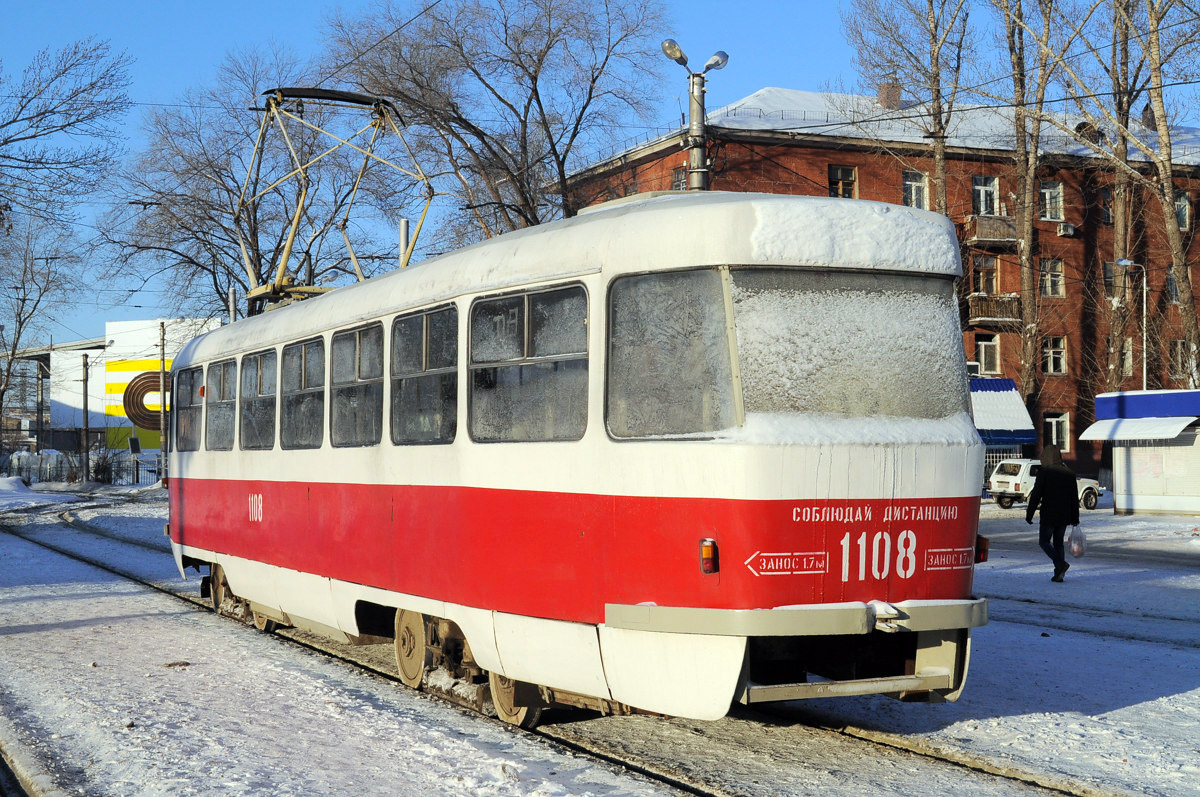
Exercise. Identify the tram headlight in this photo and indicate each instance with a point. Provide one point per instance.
(709, 560)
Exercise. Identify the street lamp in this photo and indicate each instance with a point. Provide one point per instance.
(1129, 265)
(697, 160)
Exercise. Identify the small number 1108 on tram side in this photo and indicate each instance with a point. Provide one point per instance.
(669, 454)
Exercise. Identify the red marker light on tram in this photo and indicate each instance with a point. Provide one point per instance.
(709, 562)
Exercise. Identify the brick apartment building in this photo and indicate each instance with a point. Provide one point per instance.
(795, 142)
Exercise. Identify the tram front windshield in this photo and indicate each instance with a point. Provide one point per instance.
(808, 343)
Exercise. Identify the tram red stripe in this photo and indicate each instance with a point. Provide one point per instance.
(564, 555)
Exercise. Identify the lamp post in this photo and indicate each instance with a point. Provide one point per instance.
(1129, 265)
(697, 160)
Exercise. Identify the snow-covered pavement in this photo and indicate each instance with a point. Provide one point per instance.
(108, 684)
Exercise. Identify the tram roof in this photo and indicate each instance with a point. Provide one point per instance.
(663, 231)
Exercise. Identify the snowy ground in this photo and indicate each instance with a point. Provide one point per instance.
(105, 683)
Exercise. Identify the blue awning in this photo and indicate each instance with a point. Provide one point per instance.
(999, 414)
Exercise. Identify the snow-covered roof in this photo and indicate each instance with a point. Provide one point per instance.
(999, 414)
(855, 116)
(673, 230)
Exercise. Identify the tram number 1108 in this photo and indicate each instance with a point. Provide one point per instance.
(879, 549)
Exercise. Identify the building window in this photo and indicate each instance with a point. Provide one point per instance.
(916, 190)
(841, 181)
(1172, 289)
(425, 377)
(1106, 206)
(188, 410)
(679, 179)
(1056, 430)
(529, 367)
(1183, 210)
(1052, 282)
(1110, 278)
(983, 276)
(257, 410)
(985, 193)
(302, 395)
(220, 396)
(1124, 356)
(356, 362)
(1179, 359)
(1050, 200)
(1054, 354)
(987, 353)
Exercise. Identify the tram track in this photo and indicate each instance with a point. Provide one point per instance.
(575, 734)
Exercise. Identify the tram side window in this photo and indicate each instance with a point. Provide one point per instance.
(302, 399)
(220, 395)
(425, 377)
(529, 367)
(258, 401)
(669, 369)
(189, 409)
(356, 359)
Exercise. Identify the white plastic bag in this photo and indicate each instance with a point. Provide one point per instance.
(1077, 544)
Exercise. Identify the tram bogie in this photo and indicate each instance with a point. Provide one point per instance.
(648, 459)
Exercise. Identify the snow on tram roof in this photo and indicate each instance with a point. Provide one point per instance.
(661, 231)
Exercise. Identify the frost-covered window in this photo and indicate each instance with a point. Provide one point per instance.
(302, 395)
(983, 274)
(1050, 200)
(220, 396)
(841, 181)
(356, 362)
(1183, 210)
(669, 370)
(188, 409)
(1054, 354)
(1052, 282)
(985, 194)
(987, 353)
(257, 409)
(916, 190)
(809, 342)
(1056, 430)
(425, 377)
(529, 366)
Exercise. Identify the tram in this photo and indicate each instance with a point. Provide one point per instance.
(676, 452)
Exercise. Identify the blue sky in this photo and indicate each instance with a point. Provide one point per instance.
(177, 45)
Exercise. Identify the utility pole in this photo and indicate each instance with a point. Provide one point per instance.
(695, 140)
(87, 459)
(162, 393)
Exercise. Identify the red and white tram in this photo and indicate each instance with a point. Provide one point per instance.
(675, 452)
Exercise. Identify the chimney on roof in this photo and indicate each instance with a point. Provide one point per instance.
(889, 94)
(1148, 117)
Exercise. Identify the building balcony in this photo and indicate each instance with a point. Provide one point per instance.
(984, 310)
(991, 232)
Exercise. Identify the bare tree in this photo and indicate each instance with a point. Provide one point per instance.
(1160, 36)
(177, 212)
(58, 127)
(35, 274)
(920, 47)
(507, 96)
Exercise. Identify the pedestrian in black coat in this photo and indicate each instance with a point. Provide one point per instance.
(1055, 491)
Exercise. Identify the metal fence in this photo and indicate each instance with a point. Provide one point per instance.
(119, 468)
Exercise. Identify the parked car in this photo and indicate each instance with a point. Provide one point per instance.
(1012, 481)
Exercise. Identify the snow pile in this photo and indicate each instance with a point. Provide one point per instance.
(15, 494)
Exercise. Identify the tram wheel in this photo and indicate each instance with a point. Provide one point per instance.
(218, 587)
(503, 691)
(264, 623)
(412, 653)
